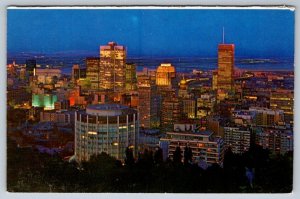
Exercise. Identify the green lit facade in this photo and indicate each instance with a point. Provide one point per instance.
(44, 100)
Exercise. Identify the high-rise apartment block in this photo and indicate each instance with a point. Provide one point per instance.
(109, 128)
(237, 139)
(205, 147)
(277, 139)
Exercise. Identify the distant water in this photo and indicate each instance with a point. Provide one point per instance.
(182, 64)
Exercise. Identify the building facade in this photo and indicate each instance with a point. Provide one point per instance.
(112, 67)
(130, 77)
(225, 66)
(93, 72)
(109, 128)
(237, 139)
(205, 147)
(165, 73)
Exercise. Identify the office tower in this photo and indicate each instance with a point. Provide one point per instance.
(93, 72)
(130, 77)
(109, 128)
(149, 104)
(112, 67)
(188, 108)
(165, 74)
(284, 100)
(205, 147)
(78, 72)
(225, 66)
(237, 139)
(170, 111)
(30, 66)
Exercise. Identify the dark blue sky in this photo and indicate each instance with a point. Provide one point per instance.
(189, 33)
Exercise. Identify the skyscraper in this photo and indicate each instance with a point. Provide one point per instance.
(93, 72)
(130, 77)
(112, 67)
(149, 105)
(164, 75)
(225, 66)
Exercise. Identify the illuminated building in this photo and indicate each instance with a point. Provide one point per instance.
(44, 100)
(205, 147)
(78, 72)
(62, 105)
(130, 99)
(22, 73)
(47, 75)
(189, 108)
(30, 66)
(109, 128)
(205, 105)
(112, 67)
(284, 100)
(267, 117)
(237, 139)
(17, 95)
(149, 104)
(93, 72)
(130, 77)
(277, 139)
(183, 89)
(225, 66)
(165, 74)
(215, 80)
(170, 112)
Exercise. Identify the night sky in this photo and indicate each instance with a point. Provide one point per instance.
(160, 33)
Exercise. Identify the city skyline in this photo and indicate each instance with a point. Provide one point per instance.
(111, 122)
(271, 35)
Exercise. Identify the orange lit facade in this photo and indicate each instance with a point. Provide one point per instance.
(165, 74)
(112, 67)
(225, 66)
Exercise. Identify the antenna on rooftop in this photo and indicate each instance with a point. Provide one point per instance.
(223, 35)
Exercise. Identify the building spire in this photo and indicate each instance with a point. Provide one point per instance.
(223, 35)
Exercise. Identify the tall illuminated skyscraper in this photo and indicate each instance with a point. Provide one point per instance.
(165, 73)
(130, 77)
(112, 67)
(225, 66)
(92, 72)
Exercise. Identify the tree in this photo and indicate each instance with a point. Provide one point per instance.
(188, 155)
(129, 160)
(158, 156)
(177, 155)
